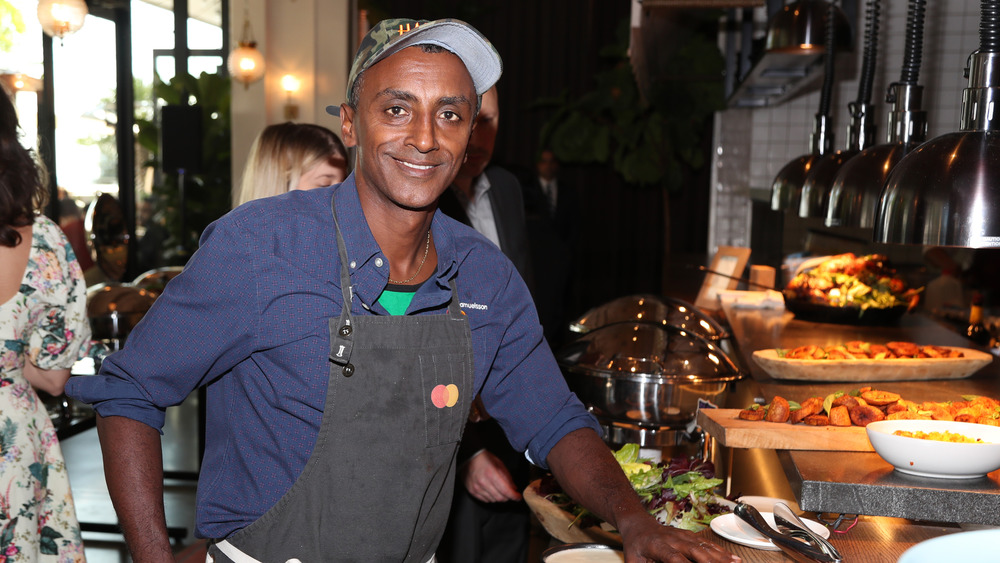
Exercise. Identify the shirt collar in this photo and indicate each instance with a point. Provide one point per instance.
(481, 186)
(367, 277)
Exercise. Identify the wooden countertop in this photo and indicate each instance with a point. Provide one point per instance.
(872, 540)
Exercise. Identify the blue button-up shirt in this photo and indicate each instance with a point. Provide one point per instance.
(250, 316)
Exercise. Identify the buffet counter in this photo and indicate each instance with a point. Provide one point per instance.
(861, 482)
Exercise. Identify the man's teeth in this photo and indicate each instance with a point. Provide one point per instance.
(416, 166)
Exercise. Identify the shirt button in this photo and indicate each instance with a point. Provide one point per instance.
(348, 370)
(345, 330)
(353, 264)
(378, 262)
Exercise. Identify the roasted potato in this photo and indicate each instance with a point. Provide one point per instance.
(840, 416)
(778, 411)
(817, 420)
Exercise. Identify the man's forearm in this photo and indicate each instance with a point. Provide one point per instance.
(133, 468)
(585, 469)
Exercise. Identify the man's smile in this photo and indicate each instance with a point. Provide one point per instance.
(414, 165)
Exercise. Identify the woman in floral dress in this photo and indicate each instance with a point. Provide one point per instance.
(43, 326)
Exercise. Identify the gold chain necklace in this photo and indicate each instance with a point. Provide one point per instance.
(427, 248)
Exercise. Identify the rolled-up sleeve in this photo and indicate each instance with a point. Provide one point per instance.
(525, 390)
(197, 330)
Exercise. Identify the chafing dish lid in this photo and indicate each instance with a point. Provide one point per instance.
(112, 298)
(651, 309)
(644, 351)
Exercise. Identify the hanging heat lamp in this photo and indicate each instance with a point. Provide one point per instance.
(787, 186)
(856, 189)
(946, 192)
(60, 18)
(819, 181)
(246, 63)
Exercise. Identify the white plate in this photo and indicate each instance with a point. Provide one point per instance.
(731, 527)
(931, 458)
(980, 545)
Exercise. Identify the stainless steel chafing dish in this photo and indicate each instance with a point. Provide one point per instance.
(114, 310)
(643, 381)
(648, 308)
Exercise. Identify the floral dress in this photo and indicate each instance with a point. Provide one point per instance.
(47, 322)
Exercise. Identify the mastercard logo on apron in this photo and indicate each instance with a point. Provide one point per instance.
(444, 395)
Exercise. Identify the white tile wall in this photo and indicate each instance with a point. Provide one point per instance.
(781, 133)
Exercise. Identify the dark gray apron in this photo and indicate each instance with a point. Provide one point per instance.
(379, 482)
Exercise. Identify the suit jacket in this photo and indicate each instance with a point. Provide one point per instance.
(507, 201)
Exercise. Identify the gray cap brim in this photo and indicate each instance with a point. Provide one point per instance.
(333, 110)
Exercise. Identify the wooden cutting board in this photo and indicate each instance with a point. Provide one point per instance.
(729, 430)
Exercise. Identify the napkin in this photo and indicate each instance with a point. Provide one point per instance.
(769, 299)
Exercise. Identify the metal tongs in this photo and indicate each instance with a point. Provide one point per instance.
(789, 523)
(798, 548)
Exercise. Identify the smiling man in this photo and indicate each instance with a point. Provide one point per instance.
(342, 333)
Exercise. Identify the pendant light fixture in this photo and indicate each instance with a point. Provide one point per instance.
(946, 192)
(246, 63)
(801, 27)
(787, 186)
(819, 181)
(856, 189)
(60, 18)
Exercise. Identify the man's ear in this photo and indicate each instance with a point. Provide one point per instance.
(347, 126)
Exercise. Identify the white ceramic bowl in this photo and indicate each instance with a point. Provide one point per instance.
(932, 458)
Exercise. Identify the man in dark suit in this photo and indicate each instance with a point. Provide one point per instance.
(552, 213)
(489, 520)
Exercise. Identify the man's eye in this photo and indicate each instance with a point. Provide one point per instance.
(396, 110)
(450, 116)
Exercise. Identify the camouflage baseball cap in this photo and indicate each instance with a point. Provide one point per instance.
(393, 35)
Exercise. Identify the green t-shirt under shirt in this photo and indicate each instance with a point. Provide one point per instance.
(396, 298)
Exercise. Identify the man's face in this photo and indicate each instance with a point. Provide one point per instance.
(484, 136)
(548, 166)
(411, 126)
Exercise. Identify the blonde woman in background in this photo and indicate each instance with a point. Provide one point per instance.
(291, 156)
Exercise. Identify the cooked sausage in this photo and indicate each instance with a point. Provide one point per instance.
(811, 406)
(863, 415)
(880, 398)
(857, 348)
(753, 414)
(903, 349)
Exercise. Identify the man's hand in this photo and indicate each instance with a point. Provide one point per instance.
(486, 479)
(586, 470)
(648, 540)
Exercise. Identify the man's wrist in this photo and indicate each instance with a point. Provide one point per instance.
(471, 457)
